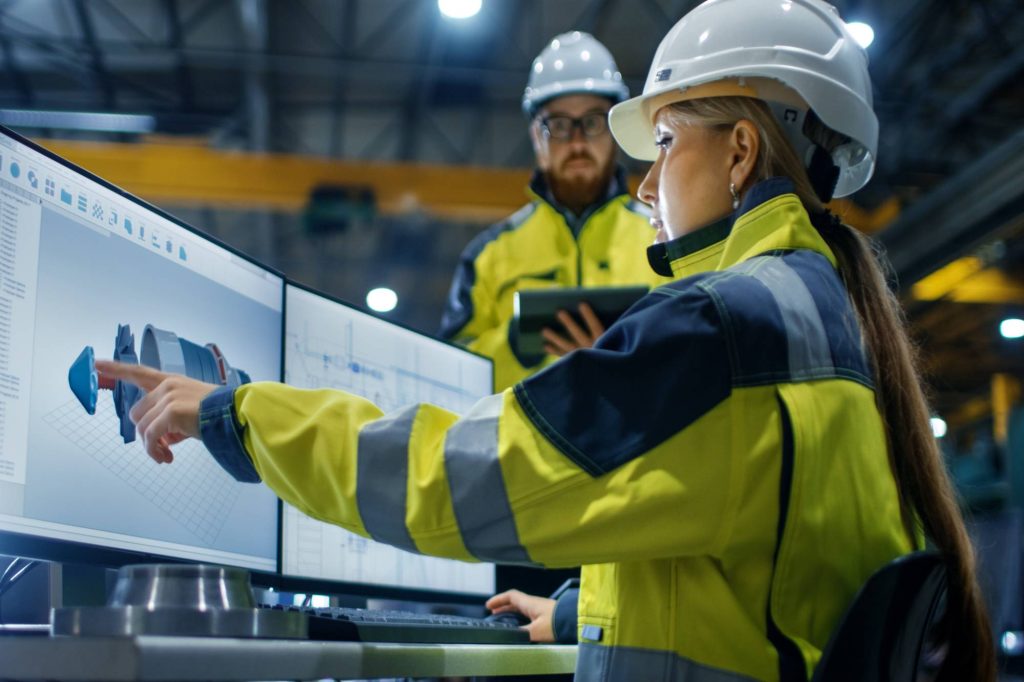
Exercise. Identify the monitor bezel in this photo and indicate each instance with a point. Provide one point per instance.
(297, 583)
(70, 551)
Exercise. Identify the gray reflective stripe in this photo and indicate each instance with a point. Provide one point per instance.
(479, 497)
(382, 466)
(614, 663)
(809, 352)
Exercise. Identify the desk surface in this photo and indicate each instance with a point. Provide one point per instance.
(196, 658)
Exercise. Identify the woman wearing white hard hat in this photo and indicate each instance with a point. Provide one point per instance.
(756, 113)
(734, 457)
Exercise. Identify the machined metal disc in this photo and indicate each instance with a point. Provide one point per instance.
(131, 621)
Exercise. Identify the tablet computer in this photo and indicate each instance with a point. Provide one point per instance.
(535, 309)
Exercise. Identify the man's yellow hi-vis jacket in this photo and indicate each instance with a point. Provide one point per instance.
(543, 245)
(717, 462)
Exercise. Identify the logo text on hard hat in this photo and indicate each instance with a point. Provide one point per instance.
(662, 75)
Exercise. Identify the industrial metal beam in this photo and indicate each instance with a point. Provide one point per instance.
(415, 107)
(17, 76)
(65, 57)
(959, 214)
(593, 17)
(969, 280)
(199, 176)
(255, 28)
(116, 16)
(349, 18)
(364, 67)
(99, 69)
(968, 102)
(195, 175)
(176, 41)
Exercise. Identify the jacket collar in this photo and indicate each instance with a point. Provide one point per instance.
(539, 190)
(771, 218)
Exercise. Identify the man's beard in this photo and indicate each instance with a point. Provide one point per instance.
(578, 193)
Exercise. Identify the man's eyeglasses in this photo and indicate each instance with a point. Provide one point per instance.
(593, 124)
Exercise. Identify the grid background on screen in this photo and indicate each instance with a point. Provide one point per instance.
(193, 491)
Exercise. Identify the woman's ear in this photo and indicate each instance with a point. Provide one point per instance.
(745, 147)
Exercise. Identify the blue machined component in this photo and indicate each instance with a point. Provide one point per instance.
(83, 379)
(160, 349)
(125, 395)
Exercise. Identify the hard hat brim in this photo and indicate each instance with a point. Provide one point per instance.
(536, 98)
(632, 129)
(635, 123)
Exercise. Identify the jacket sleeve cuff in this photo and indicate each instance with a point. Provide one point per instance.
(563, 620)
(222, 435)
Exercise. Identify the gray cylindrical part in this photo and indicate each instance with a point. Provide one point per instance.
(161, 350)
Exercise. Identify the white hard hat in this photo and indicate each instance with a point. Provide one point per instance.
(793, 54)
(573, 63)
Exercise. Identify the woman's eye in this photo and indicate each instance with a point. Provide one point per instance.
(663, 142)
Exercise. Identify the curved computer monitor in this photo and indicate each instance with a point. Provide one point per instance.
(329, 344)
(83, 263)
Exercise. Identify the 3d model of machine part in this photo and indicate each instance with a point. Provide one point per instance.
(160, 349)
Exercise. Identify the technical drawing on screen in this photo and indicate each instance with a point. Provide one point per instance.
(331, 345)
(82, 264)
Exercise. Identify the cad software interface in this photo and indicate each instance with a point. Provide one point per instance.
(78, 262)
(330, 345)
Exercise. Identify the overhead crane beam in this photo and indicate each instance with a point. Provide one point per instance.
(195, 175)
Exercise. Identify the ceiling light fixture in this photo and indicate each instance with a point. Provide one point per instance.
(382, 299)
(1012, 328)
(459, 9)
(862, 33)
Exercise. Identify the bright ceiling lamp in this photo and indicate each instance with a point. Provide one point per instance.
(78, 120)
(938, 427)
(382, 299)
(862, 33)
(1012, 328)
(459, 9)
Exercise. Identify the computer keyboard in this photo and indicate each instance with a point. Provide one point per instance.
(373, 625)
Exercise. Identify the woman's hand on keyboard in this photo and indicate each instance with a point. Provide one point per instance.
(169, 411)
(538, 609)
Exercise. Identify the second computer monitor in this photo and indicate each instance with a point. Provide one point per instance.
(332, 345)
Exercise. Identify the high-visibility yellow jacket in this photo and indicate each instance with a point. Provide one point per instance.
(717, 462)
(542, 246)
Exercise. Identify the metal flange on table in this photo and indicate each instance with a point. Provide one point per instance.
(200, 622)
